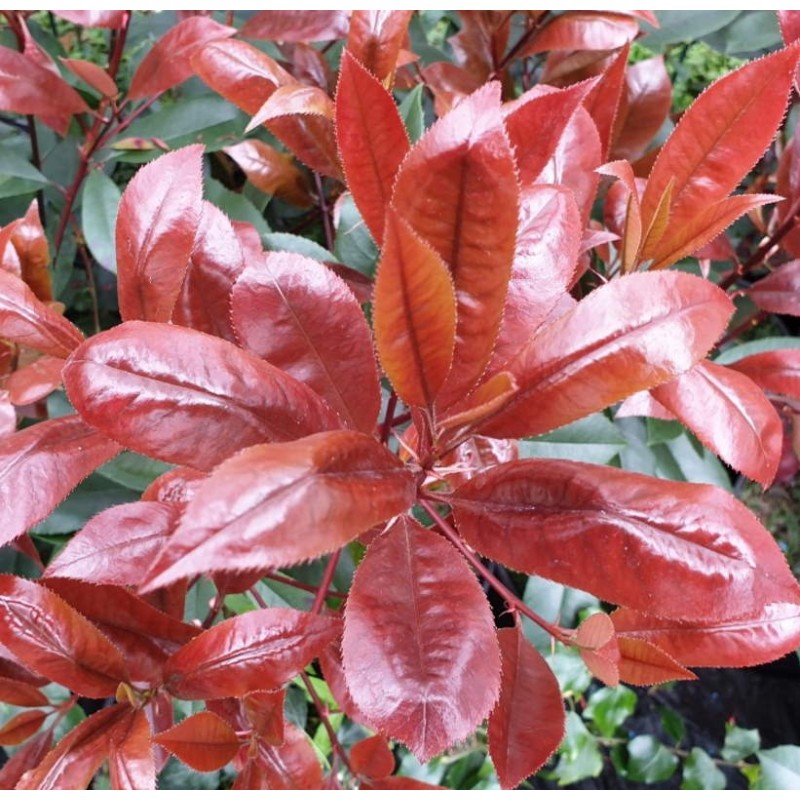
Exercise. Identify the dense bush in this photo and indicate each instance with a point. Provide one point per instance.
(376, 428)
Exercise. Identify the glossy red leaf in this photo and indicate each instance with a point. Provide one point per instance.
(92, 75)
(216, 262)
(66, 450)
(527, 724)
(118, 545)
(372, 757)
(330, 659)
(458, 191)
(643, 404)
(720, 138)
(753, 639)
(264, 711)
(180, 407)
(35, 380)
(449, 85)
(419, 674)
(599, 648)
(168, 62)
(28, 321)
(309, 65)
(548, 239)
(130, 757)
(29, 239)
(275, 505)
(584, 30)
(21, 727)
(204, 741)
(631, 538)
(375, 38)
(158, 219)
(643, 664)
(96, 18)
(29, 88)
(25, 758)
(730, 416)
(604, 99)
(48, 636)
(272, 172)
(609, 346)
(242, 74)
(72, 763)
(275, 309)
(481, 42)
(779, 291)
(292, 765)
(176, 486)
(8, 415)
(372, 139)
(623, 213)
(776, 371)
(19, 693)
(414, 314)
(256, 650)
(297, 26)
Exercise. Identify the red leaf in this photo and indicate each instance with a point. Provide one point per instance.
(118, 545)
(176, 486)
(272, 172)
(264, 711)
(33, 251)
(275, 309)
(449, 85)
(414, 314)
(34, 381)
(92, 75)
(631, 538)
(789, 23)
(297, 26)
(239, 72)
(25, 758)
(293, 765)
(719, 139)
(158, 219)
(599, 648)
(779, 291)
(643, 664)
(375, 39)
(527, 724)
(18, 693)
(66, 450)
(775, 371)
(95, 19)
(253, 651)
(330, 659)
(418, 677)
(216, 262)
(372, 758)
(28, 321)
(130, 756)
(611, 345)
(584, 30)
(372, 140)
(188, 398)
(623, 213)
(204, 741)
(52, 639)
(21, 727)
(643, 404)
(753, 639)
(28, 88)
(548, 239)
(168, 63)
(603, 100)
(276, 505)
(8, 416)
(458, 191)
(730, 416)
(481, 43)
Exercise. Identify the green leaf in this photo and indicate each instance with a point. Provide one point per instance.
(296, 706)
(133, 471)
(290, 243)
(780, 767)
(354, 245)
(609, 707)
(740, 351)
(580, 755)
(554, 602)
(748, 33)
(236, 206)
(700, 772)
(568, 667)
(674, 26)
(594, 439)
(413, 114)
(660, 431)
(17, 176)
(101, 198)
(740, 743)
(672, 723)
(649, 761)
(176, 775)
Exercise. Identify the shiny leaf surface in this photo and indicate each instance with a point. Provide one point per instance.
(643, 664)
(779, 291)
(297, 26)
(21, 727)
(131, 763)
(776, 371)
(372, 757)
(375, 38)
(204, 741)
(29, 239)
(584, 30)
(19, 693)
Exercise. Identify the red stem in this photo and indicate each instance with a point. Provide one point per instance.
(323, 715)
(327, 579)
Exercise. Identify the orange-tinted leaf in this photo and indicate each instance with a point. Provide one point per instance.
(34, 381)
(779, 292)
(417, 677)
(264, 711)
(414, 313)
(753, 639)
(275, 505)
(30, 242)
(18, 693)
(302, 117)
(631, 538)
(599, 648)
(29, 88)
(21, 727)
(185, 409)
(275, 309)
(118, 545)
(449, 85)
(95, 19)
(26, 320)
(66, 450)
(730, 415)
(272, 172)
(297, 26)
(204, 741)
(168, 62)
(372, 140)
(130, 756)
(584, 30)
(256, 650)
(458, 191)
(719, 139)
(643, 664)
(48, 636)
(611, 344)
(527, 724)
(375, 39)
(239, 72)
(483, 402)
(176, 486)
(372, 757)
(158, 218)
(25, 758)
(603, 100)
(623, 212)
(775, 371)
(92, 75)
(216, 262)
(481, 43)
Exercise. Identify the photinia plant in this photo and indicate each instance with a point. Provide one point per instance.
(307, 412)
